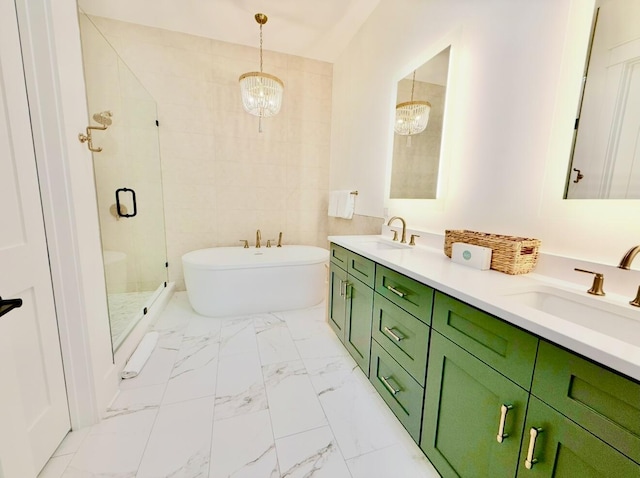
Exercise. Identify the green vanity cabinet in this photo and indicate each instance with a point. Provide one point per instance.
(482, 397)
(339, 256)
(337, 300)
(398, 389)
(506, 348)
(473, 415)
(554, 446)
(351, 302)
(411, 295)
(357, 333)
(400, 344)
(600, 400)
(402, 335)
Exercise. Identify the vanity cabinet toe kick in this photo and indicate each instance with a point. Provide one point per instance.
(479, 395)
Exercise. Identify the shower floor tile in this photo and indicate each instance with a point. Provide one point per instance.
(125, 309)
(266, 395)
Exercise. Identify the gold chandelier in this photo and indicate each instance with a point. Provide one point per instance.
(261, 92)
(412, 116)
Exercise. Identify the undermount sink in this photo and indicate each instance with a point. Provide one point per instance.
(617, 320)
(381, 244)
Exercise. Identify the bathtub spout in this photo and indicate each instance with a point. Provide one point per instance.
(258, 238)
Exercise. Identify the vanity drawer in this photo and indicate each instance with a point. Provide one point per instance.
(339, 256)
(403, 336)
(361, 268)
(508, 349)
(396, 387)
(600, 400)
(411, 295)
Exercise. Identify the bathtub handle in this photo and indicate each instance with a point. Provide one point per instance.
(246, 243)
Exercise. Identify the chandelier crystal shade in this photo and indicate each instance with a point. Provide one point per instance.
(412, 116)
(261, 93)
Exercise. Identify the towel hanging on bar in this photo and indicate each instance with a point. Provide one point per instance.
(342, 203)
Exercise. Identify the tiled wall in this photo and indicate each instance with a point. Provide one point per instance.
(222, 179)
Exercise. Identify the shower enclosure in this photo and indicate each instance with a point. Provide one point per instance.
(126, 162)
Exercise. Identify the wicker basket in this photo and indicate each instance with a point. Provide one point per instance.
(511, 255)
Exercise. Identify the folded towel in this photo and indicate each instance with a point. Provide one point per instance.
(342, 203)
(140, 356)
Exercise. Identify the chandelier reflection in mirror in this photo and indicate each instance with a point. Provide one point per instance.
(412, 116)
(261, 92)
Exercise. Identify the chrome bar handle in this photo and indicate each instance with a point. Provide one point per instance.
(504, 409)
(399, 293)
(388, 386)
(393, 335)
(530, 461)
(347, 286)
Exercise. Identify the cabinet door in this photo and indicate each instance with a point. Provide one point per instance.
(467, 406)
(357, 338)
(559, 448)
(506, 348)
(337, 300)
(604, 402)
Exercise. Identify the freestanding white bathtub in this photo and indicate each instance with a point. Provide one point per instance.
(230, 281)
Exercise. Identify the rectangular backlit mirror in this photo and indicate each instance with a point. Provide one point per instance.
(605, 162)
(416, 155)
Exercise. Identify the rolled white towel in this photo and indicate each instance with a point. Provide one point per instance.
(140, 356)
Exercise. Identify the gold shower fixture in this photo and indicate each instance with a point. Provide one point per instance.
(104, 118)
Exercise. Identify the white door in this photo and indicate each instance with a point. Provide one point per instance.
(34, 416)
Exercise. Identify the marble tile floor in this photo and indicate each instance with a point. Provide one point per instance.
(267, 395)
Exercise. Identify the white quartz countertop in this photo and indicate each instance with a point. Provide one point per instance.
(493, 291)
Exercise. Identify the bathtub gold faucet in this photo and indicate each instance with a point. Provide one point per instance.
(258, 238)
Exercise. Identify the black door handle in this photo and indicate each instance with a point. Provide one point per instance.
(8, 305)
(133, 199)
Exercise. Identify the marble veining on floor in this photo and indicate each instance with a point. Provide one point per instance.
(267, 395)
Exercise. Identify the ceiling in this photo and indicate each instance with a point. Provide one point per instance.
(309, 28)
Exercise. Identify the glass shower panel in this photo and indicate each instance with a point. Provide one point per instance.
(128, 182)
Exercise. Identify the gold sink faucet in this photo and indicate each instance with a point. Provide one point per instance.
(625, 263)
(630, 255)
(403, 240)
(258, 238)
